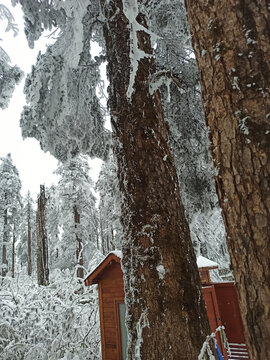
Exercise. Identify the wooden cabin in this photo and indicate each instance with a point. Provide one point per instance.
(221, 301)
(205, 265)
(109, 277)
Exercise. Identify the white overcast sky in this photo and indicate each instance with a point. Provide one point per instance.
(35, 167)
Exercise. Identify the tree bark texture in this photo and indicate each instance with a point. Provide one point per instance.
(42, 244)
(29, 241)
(4, 248)
(79, 246)
(231, 40)
(166, 317)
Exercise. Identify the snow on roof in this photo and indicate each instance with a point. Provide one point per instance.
(117, 253)
(203, 262)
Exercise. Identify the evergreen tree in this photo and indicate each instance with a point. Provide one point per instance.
(9, 75)
(111, 231)
(10, 207)
(65, 115)
(53, 226)
(42, 240)
(77, 215)
(26, 248)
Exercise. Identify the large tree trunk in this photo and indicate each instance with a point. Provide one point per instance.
(79, 245)
(42, 245)
(4, 248)
(166, 316)
(232, 46)
(13, 252)
(29, 242)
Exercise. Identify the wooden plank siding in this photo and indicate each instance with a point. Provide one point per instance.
(221, 301)
(111, 291)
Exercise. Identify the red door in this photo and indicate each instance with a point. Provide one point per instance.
(229, 310)
(212, 309)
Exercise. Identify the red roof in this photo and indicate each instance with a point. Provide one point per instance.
(94, 276)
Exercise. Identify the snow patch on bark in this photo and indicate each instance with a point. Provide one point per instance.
(131, 11)
(141, 324)
(161, 271)
(157, 81)
(242, 125)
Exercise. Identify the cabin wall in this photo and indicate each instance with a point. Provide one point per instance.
(205, 276)
(111, 292)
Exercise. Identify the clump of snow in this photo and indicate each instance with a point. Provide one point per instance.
(204, 52)
(161, 271)
(117, 253)
(157, 80)
(243, 126)
(235, 83)
(203, 262)
(131, 11)
(248, 38)
(141, 324)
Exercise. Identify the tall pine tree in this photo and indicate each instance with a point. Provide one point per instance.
(77, 215)
(10, 207)
(159, 265)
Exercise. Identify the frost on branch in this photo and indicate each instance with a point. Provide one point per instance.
(5, 14)
(10, 76)
(58, 321)
(64, 113)
(40, 15)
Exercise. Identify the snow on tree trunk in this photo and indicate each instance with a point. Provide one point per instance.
(166, 315)
(231, 42)
(42, 245)
(79, 249)
(29, 240)
(4, 249)
(13, 253)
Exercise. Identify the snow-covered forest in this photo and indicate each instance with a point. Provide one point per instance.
(155, 198)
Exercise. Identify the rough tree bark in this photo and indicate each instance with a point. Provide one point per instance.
(166, 316)
(232, 45)
(79, 247)
(4, 248)
(42, 244)
(29, 241)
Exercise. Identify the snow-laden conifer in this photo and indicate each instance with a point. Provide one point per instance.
(26, 247)
(10, 207)
(78, 219)
(64, 113)
(111, 231)
(10, 76)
